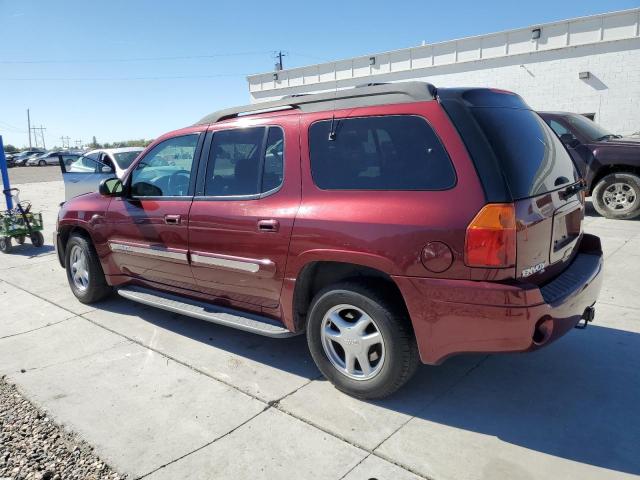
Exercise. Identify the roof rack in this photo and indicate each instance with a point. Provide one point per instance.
(359, 96)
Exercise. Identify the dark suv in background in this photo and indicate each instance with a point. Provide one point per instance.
(609, 163)
(392, 223)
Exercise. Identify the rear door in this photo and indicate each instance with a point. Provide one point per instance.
(148, 227)
(520, 151)
(242, 216)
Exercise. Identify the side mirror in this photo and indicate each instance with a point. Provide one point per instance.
(106, 169)
(110, 187)
(569, 140)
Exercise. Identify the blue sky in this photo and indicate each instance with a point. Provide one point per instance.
(92, 68)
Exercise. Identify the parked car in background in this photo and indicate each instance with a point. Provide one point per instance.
(84, 173)
(10, 161)
(51, 158)
(21, 158)
(391, 223)
(609, 163)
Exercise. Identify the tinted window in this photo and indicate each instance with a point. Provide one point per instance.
(379, 153)
(125, 159)
(244, 162)
(558, 127)
(532, 158)
(588, 128)
(166, 169)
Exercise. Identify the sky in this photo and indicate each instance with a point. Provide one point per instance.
(121, 70)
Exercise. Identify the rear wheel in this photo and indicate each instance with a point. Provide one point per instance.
(617, 196)
(361, 341)
(42, 163)
(84, 271)
(21, 239)
(5, 244)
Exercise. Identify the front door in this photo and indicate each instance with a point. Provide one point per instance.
(148, 227)
(83, 174)
(241, 220)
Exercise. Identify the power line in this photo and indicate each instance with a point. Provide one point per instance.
(136, 59)
(155, 77)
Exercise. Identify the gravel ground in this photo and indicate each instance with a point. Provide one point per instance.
(32, 446)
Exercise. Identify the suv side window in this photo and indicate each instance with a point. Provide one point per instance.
(394, 152)
(166, 170)
(245, 161)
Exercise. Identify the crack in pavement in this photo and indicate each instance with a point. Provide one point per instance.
(39, 328)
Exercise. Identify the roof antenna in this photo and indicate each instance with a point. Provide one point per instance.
(332, 131)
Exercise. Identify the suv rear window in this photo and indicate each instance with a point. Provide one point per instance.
(532, 158)
(396, 152)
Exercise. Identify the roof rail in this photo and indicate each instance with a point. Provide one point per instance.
(359, 96)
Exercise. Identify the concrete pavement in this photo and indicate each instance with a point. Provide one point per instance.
(164, 396)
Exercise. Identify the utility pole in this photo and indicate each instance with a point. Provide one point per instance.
(29, 127)
(65, 141)
(278, 56)
(79, 143)
(41, 129)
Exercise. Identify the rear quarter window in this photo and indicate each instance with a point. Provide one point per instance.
(396, 152)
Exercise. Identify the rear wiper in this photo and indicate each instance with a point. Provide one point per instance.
(573, 189)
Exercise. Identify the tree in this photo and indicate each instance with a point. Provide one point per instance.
(10, 148)
(94, 143)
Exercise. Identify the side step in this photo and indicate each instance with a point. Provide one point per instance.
(206, 311)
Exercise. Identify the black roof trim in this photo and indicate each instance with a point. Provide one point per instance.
(359, 96)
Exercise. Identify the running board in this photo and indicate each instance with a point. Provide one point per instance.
(206, 311)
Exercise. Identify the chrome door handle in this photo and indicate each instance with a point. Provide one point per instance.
(172, 219)
(268, 225)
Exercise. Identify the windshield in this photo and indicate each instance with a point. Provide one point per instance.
(588, 128)
(125, 159)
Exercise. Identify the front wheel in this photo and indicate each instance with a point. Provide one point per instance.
(42, 163)
(361, 340)
(84, 271)
(617, 196)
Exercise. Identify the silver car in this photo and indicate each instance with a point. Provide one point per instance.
(83, 175)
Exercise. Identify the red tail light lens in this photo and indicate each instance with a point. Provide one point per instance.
(491, 237)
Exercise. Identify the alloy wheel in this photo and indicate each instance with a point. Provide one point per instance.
(79, 268)
(619, 197)
(352, 342)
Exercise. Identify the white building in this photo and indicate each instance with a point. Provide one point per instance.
(588, 65)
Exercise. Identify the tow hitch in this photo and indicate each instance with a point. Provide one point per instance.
(588, 316)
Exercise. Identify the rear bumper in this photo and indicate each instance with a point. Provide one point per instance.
(459, 316)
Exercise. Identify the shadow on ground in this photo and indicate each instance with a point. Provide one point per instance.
(576, 399)
(28, 250)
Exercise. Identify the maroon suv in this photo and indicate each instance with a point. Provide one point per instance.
(392, 223)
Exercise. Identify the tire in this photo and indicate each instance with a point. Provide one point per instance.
(5, 244)
(85, 274)
(42, 163)
(37, 240)
(21, 239)
(617, 196)
(391, 363)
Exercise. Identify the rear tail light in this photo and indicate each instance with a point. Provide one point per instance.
(491, 237)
